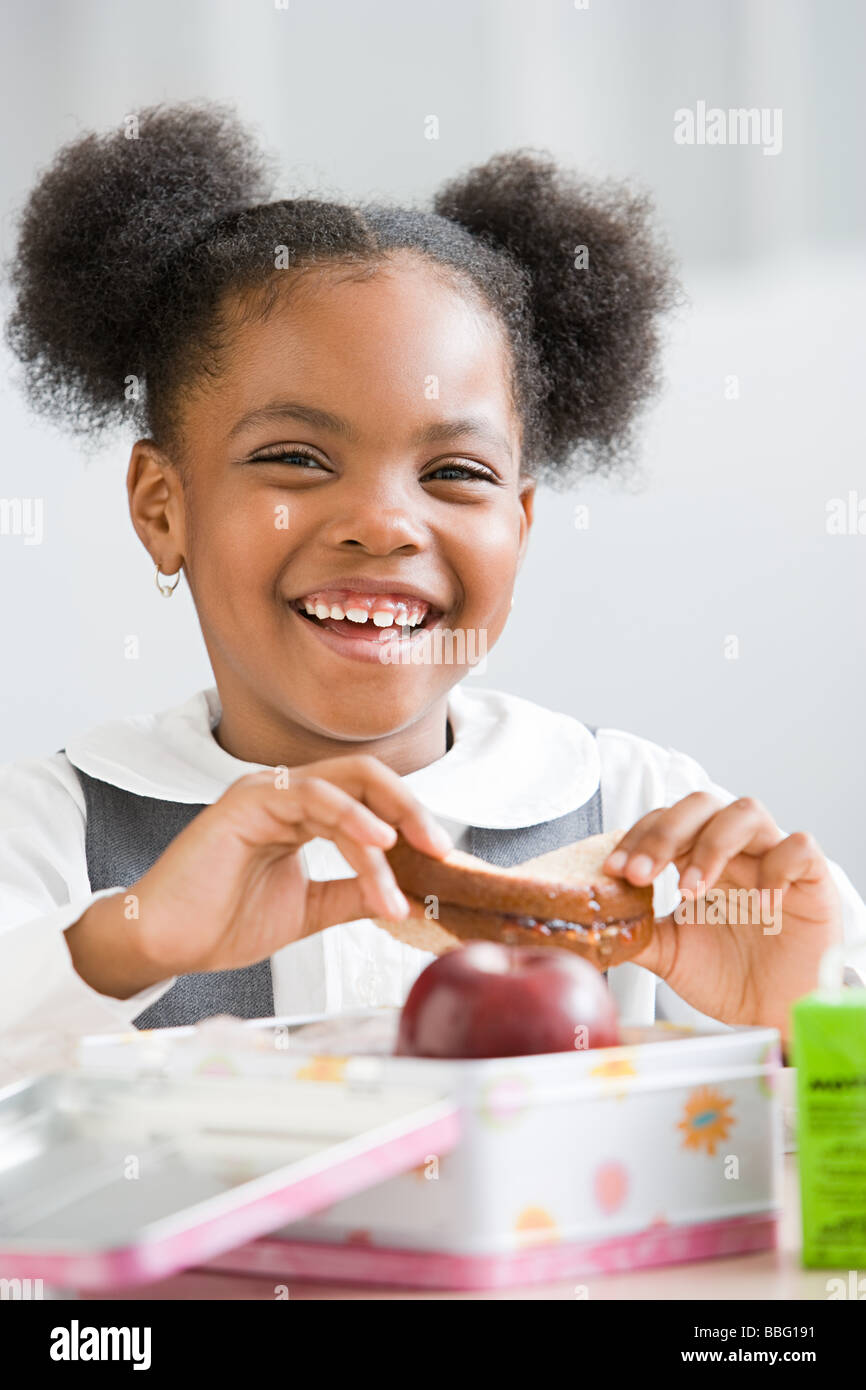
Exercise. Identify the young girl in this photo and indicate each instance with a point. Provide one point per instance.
(345, 412)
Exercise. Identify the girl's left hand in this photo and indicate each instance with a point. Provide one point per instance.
(741, 959)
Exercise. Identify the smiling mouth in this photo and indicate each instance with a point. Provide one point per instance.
(400, 629)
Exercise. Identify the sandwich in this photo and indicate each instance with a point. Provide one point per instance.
(561, 899)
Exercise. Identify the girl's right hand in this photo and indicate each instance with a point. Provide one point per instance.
(231, 888)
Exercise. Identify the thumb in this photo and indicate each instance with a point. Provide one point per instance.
(660, 951)
(332, 901)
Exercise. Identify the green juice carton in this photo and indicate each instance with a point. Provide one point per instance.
(829, 1052)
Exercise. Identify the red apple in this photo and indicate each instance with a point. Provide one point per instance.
(489, 1000)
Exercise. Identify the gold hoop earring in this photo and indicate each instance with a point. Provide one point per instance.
(166, 589)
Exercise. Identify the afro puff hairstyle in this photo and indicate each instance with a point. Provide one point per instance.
(131, 243)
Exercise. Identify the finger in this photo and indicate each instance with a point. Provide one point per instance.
(332, 901)
(384, 792)
(266, 812)
(337, 813)
(660, 951)
(744, 826)
(659, 836)
(375, 888)
(796, 859)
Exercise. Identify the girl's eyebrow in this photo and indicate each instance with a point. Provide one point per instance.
(436, 431)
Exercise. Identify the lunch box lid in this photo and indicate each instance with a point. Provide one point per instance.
(113, 1179)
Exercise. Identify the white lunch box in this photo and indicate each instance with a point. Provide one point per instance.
(666, 1148)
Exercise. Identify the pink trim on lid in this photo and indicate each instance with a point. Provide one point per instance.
(156, 1259)
(433, 1269)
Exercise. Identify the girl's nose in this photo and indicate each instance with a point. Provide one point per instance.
(376, 525)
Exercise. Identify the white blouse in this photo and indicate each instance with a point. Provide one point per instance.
(512, 763)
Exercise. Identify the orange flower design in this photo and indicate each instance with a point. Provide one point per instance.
(535, 1226)
(615, 1075)
(323, 1069)
(706, 1121)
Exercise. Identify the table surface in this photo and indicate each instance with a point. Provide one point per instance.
(769, 1274)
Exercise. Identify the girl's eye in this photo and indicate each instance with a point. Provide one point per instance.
(482, 474)
(286, 456)
(452, 470)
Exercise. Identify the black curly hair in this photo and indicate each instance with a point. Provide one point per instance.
(130, 242)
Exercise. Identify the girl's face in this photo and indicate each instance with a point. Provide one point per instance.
(360, 448)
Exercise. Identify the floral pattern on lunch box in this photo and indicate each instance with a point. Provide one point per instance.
(707, 1120)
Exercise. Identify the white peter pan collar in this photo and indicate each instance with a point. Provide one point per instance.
(512, 762)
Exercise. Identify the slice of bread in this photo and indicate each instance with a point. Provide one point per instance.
(577, 862)
(461, 897)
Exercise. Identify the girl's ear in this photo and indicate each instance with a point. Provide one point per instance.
(527, 504)
(156, 503)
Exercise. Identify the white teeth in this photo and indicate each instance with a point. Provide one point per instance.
(382, 617)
